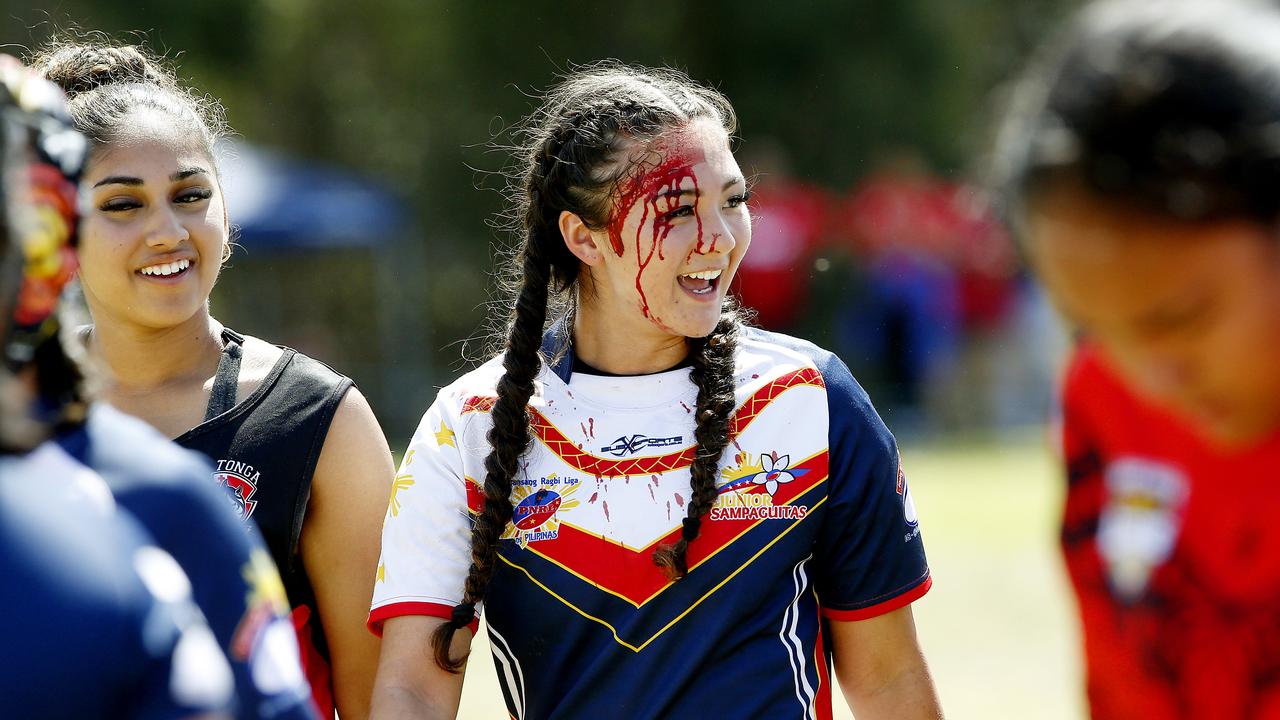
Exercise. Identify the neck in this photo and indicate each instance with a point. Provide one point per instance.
(622, 350)
(134, 359)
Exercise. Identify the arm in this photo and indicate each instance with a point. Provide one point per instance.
(881, 669)
(340, 545)
(410, 684)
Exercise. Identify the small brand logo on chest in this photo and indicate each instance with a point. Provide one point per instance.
(634, 444)
(240, 480)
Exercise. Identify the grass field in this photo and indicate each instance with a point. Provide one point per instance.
(998, 626)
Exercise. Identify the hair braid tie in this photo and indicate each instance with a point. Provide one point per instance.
(463, 614)
(690, 527)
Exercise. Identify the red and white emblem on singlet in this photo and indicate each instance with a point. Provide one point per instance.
(240, 480)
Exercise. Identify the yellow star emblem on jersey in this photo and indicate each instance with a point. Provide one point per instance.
(445, 436)
(382, 572)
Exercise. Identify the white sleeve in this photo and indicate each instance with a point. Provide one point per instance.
(426, 535)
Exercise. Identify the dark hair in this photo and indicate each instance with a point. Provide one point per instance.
(579, 151)
(106, 82)
(1173, 107)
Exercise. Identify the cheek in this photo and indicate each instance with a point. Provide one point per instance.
(1246, 346)
(99, 251)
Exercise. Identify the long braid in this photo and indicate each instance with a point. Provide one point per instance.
(712, 373)
(509, 439)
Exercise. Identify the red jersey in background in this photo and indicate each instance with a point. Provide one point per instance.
(1174, 554)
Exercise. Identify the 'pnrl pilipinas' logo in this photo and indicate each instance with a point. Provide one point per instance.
(241, 483)
(537, 503)
(627, 445)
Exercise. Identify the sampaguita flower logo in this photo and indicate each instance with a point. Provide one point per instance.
(775, 472)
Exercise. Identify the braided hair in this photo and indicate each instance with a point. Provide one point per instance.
(573, 156)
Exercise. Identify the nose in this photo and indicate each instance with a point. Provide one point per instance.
(717, 237)
(166, 229)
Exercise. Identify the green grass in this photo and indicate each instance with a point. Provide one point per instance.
(998, 627)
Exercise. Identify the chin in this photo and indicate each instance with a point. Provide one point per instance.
(701, 328)
(1235, 432)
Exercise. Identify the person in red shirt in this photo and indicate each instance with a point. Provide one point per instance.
(1142, 160)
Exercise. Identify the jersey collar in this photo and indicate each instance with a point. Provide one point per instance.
(557, 350)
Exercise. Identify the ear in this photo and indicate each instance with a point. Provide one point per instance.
(579, 239)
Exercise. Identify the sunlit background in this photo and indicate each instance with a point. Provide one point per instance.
(365, 179)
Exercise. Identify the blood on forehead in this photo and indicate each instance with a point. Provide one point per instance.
(676, 164)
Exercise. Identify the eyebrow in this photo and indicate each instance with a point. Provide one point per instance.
(182, 174)
(678, 192)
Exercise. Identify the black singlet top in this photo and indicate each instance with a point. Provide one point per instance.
(265, 450)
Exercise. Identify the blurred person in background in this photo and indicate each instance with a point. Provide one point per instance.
(295, 445)
(902, 320)
(788, 220)
(97, 603)
(666, 514)
(1142, 159)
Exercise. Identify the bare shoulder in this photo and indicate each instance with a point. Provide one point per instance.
(258, 359)
(354, 435)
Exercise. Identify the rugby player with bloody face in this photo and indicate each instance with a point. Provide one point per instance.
(720, 572)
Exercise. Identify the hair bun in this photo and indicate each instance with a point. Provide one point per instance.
(81, 68)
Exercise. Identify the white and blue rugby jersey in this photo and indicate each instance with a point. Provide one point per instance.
(814, 519)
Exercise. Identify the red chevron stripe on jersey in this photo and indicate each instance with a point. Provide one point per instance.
(630, 573)
(601, 467)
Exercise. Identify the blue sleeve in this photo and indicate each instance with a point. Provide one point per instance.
(101, 620)
(870, 556)
(182, 672)
(171, 492)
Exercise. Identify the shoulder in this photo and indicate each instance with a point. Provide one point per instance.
(1087, 372)
(261, 358)
(472, 388)
(758, 347)
(1092, 389)
(849, 406)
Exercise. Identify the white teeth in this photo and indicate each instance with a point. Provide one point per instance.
(704, 275)
(164, 269)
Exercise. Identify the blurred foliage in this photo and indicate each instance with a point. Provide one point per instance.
(414, 92)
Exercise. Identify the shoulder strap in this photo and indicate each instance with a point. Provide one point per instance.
(225, 382)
